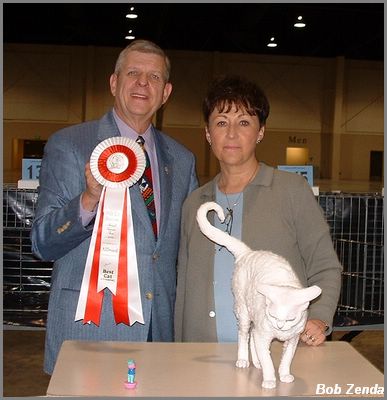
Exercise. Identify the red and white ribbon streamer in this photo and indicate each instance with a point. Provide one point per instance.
(117, 163)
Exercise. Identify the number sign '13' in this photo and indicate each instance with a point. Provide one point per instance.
(31, 168)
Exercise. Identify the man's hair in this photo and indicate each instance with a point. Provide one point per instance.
(143, 46)
(232, 90)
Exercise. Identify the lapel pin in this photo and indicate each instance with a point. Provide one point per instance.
(166, 170)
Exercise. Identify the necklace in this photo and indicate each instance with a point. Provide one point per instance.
(230, 209)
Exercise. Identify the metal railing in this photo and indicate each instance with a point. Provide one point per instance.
(356, 223)
(356, 226)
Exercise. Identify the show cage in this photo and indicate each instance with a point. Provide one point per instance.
(26, 278)
(356, 226)
(357, 229)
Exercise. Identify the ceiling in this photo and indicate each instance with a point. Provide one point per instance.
(352, 30)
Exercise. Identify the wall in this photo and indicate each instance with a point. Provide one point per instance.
(43, 92)
(363, 118)
(49, 87)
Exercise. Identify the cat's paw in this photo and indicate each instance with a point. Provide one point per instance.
(268, 384)
(287, 378)
(242, 363)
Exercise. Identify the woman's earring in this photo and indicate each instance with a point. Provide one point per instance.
(258, 141)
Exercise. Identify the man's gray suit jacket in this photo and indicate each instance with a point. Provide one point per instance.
(58, 235)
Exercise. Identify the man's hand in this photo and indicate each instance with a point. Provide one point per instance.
(90, 197)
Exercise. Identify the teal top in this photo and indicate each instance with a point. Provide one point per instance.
(226, 323)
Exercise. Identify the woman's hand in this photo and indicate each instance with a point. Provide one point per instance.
(314, 332)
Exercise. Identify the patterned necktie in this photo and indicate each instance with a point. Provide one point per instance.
(146, 187)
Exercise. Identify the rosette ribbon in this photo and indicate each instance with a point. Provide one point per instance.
(116, 163)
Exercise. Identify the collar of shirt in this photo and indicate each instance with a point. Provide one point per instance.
(150, 147)
(130, 133)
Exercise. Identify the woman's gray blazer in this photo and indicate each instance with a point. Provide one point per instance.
(280, 214)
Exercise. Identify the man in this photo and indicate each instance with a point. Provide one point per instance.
(69, 196)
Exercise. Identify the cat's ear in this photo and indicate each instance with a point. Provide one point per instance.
(311, 293)
(269, 291)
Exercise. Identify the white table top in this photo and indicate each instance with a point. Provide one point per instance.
(203, 369)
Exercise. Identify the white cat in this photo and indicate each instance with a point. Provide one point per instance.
(269, 301)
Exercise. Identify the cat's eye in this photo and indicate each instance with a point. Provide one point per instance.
(291, 319)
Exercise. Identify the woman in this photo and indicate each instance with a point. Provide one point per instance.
(265, 208)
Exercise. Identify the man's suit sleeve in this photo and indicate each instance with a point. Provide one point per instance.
(57, 226)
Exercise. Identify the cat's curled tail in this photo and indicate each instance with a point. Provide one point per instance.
(234, 245)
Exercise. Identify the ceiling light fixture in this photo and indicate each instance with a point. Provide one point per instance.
(300, 23)
(132, 14)
(272, 43)
(130, 36)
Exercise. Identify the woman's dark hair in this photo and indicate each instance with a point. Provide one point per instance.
(230, 90)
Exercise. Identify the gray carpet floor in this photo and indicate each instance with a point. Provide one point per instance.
(23, 359)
